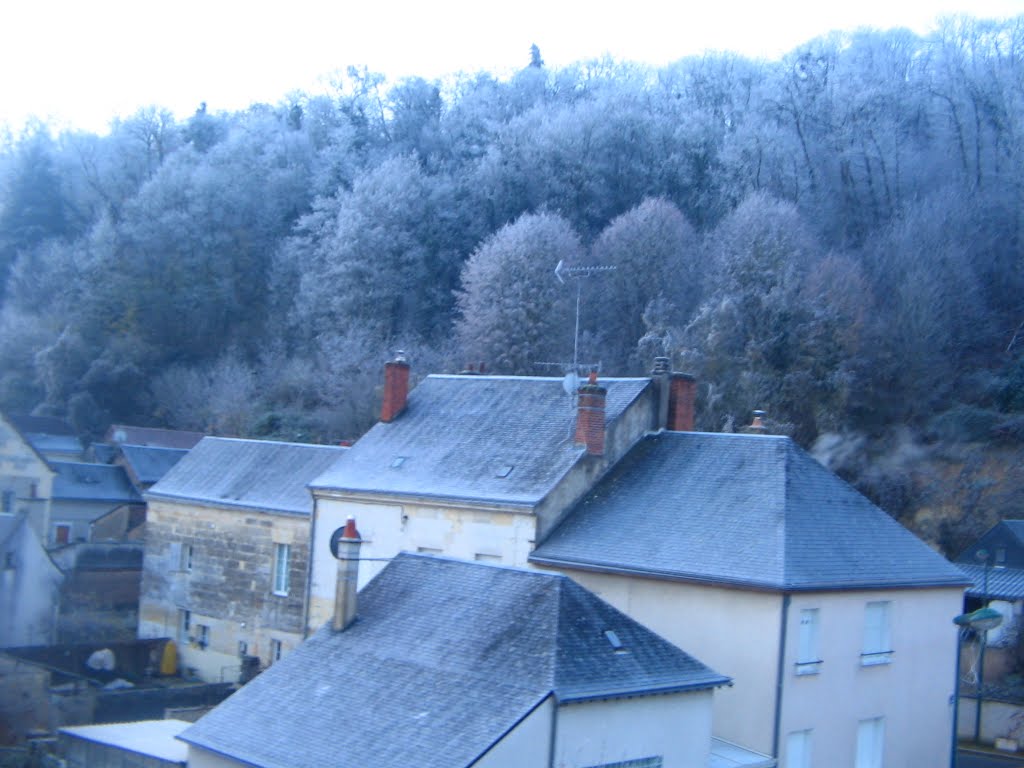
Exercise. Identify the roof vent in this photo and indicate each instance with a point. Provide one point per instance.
(398, 461)
(504, 471)
(614, 641)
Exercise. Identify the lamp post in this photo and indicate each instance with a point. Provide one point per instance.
(981, 621)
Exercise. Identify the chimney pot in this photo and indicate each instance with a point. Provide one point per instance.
(396, 387)
(757, 426)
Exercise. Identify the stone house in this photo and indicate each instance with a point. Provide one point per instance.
(227, 542)
(830, 617)
(449, 663)
(84, 493)
(53, 438)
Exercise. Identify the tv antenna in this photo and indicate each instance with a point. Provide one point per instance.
(579, 272)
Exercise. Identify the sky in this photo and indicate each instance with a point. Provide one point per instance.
(80, 63)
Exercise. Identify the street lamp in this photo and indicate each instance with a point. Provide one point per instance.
(980, 621)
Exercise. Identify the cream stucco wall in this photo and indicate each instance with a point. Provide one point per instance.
(912, 692)
(387, 528)
(527, 745)
(735, 632)
(204, 758)
(675, 727)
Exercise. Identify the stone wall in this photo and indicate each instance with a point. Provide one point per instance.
(217, 564)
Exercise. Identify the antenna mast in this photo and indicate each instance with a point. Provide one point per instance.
(562, 272)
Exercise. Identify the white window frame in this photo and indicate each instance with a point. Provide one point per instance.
(187, 555)
(870, 743)
(808, 658)
(202, 635)
(282, 565)
(276, 649)
(798, 749)
(877, 647)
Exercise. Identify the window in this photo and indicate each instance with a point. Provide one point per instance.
(61, 533)
(275, 651)
(8, 503)
(807, 660)
(870, 743)
(282, 554)
(485, 557)
(185, 563)
(202, 635)
(798, 750)
(8, 561)
(184, 625)
(429, 550)
(1001, 557)
(877, 644)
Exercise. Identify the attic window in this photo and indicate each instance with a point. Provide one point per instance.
(613, 640)
(398, 461)
(504, 471)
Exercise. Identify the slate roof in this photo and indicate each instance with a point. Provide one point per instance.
(152, 738)
(153, 437)
(79, 481)
(148, 463)
(747, 510)
(498, 439)
(1003, 583)
(256, 474)
(48, 425)
(444, 658)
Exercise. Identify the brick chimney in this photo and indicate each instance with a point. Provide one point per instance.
(681, 402)
(590, 416)
(396, 387)
(345, 544)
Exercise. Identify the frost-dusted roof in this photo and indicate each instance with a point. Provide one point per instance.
(748, 510)
(154, 437)
(152, 738)
(997, 584)
(258, 474)
(148, 463)
(444, 659)
(80, 481)
(499, 439)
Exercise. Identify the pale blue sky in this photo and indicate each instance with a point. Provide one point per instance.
(81, 63)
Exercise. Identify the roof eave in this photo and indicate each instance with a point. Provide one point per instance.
(524, 506)
(227, 505)
(725, 581)
(656, 690)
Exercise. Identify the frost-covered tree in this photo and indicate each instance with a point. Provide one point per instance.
(514, 312)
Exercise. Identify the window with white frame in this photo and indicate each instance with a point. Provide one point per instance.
(808, 660)
(202, 635)
(870, 743)
(282, 556)
(877, 647)
(275, 650)
(798, 749)
(186, 557)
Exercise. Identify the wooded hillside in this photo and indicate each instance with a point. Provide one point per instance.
(834, 237)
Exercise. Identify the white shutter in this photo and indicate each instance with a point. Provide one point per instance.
(870, 743)
(798, 750)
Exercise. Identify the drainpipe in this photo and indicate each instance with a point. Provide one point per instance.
(780, 679)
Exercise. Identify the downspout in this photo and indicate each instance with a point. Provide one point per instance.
(554, 731)
(311, 554)
(780, 680)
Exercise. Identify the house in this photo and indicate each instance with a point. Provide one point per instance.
(84, 493)
(26, 478)
(30, 585)
(51, 437)
(142, 744)
(480, 467)
(451, 663)
(227, 542)
(830, 617)
(995, 566)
